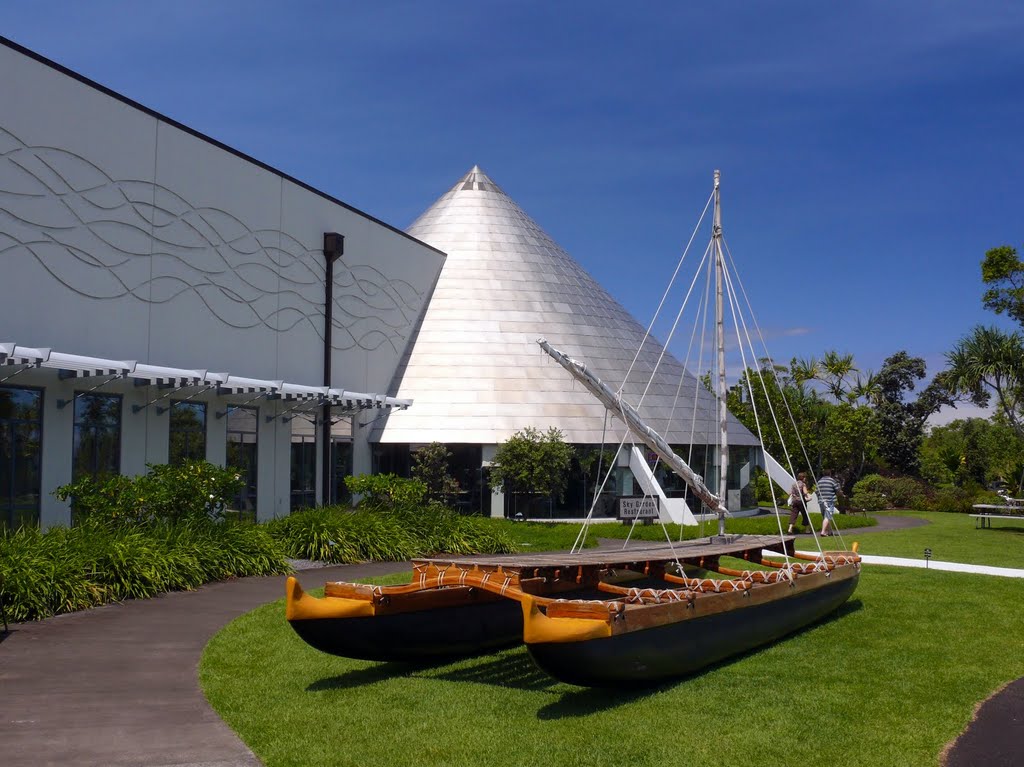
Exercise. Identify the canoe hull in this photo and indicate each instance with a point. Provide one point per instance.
(676, 649)
(421, 635)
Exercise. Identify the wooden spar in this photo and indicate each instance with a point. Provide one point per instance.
(723, 413)
(644, 433)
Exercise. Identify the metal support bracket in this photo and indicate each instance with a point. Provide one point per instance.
(221, 413)
(63, 403)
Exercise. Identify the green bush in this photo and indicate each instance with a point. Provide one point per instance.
(868, 500)
(192, 490)
(387, 492)
(339, 535)
(905, 493)
(959, 500)
(868, 495)
(99, 561)
(766, 490)
(875, 492)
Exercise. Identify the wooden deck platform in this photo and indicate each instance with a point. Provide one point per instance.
(687, 551)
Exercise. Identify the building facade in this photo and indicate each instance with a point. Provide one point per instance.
(166, 297)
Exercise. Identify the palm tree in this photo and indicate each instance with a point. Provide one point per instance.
(866, 387)
(986, 362)
(834, 371)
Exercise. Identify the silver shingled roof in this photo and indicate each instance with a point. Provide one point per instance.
(475, 371)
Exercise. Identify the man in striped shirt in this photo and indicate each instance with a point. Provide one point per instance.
(827, 489)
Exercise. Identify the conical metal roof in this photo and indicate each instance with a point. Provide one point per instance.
(474, 369)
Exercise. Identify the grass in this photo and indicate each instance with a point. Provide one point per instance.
(762, 525)
(951, 537)
(889, 680)
(555, 536)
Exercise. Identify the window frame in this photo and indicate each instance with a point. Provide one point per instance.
(9, 508)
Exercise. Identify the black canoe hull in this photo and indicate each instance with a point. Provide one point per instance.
(677, 649)
(421, 635)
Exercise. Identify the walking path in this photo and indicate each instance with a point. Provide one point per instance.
(118, 685)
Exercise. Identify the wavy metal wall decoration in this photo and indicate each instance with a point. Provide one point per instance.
(110, 239)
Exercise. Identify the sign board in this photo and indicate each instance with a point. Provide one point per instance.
(638, 508)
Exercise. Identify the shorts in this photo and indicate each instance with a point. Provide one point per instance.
(827, 509)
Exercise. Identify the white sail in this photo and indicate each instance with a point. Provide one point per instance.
(636, 424)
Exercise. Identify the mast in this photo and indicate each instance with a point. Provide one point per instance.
(723, 413)
(636, 424)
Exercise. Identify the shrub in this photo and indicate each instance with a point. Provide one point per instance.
(99, 561)
(194, 489)
(766, 491)
(341, 536)
(338, 535)
(875, 492)
(960, 500)
(387, 492)
(430, 466)
(868, 500)
(531, 461)
(905, 493)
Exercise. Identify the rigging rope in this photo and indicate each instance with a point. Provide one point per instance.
(671, 282)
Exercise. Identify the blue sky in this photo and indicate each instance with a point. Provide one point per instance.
(871, 151)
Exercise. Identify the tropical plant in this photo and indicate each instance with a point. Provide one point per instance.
(430, 466)
(102, 560)
(989, 362)
(532, 462)
(190, 490)
(972, 451)
(387, 492)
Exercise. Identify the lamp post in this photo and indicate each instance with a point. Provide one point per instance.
(334, 248)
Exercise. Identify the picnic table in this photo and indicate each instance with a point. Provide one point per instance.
(989, 511)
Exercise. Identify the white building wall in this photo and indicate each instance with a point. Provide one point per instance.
(124, 235)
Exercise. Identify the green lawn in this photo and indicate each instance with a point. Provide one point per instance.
(951, 537)
(554, 536)
(887, 681)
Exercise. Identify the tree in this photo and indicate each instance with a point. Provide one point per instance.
(835, 372)
(532, 462)
(986, 362)
(430, 466)
(1003, 270)
(851, 440)
(901, 423)
(972, 451)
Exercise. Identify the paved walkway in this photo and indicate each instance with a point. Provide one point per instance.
(118, 685)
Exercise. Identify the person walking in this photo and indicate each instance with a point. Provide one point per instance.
(798, 498)
(828, 489)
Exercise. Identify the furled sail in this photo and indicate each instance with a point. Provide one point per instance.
(636, 424)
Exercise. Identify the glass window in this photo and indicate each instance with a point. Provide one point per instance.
(97, 437)
(187, 432)
(341, 467)
(242, 453)
(21, 428)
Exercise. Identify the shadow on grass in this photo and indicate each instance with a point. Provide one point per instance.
(508, 670)
(595, 700)
(587, 701)
(512, 670)
(360, 677)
